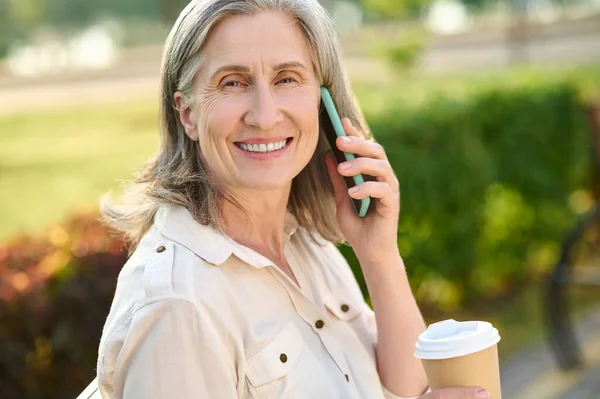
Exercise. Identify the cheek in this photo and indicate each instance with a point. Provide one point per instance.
(309, 125)
(220, 115)
(305, 113)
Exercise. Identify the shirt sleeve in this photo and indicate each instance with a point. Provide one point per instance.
(172, 350)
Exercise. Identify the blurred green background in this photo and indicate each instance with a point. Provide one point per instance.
(480, 104)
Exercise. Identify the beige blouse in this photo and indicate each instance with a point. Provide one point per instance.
(197, 315)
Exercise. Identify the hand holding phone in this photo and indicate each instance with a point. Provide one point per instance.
(333, 128)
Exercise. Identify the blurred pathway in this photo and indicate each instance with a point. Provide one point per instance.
(533, 374)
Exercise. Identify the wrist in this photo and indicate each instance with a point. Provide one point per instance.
(381, 260)
(385, 269)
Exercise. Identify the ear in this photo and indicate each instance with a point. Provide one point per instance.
(186, 116)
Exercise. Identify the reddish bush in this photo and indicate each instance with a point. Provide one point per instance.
(55, 294)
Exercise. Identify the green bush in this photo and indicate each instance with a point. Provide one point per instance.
(485, 182)
(405, 52)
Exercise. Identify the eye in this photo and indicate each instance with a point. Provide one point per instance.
(235, 81)
(287, 80)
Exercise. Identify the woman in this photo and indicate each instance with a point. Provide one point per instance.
(235, 288)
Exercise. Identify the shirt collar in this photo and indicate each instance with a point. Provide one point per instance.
(177, 223)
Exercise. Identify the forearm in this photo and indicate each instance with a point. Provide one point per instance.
(399, 323)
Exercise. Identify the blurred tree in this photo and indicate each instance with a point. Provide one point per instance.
(67, 13)
(83, 12)
(6, 27)
(475, 4)
(25, 13)
(170, 9)
(390, 9)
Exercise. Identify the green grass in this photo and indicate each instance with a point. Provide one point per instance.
(52, 162)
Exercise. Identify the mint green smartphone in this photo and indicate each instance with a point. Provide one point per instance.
(332, 126)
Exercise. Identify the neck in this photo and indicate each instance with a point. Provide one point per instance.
(261, 227)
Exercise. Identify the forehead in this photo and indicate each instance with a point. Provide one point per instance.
(245, 39)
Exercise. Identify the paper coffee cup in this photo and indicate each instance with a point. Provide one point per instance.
(461, 354)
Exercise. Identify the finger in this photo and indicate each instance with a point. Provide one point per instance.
(355, 144)
(349, 128)
(339, 188)
(382, 191)
(361, 147)
(458, 393)
(381, 169)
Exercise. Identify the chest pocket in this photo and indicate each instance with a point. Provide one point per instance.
(286, 369)
(357, 318)
(277, 358)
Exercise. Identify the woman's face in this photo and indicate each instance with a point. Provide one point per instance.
(255, 110)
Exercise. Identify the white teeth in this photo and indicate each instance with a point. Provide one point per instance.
(263, 147)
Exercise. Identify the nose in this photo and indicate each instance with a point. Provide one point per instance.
(264, 112)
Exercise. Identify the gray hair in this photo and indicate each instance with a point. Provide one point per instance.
(177, 175)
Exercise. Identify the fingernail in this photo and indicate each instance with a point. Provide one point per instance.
(353, 190)
(483, 394)
(346, 139)
(345, 166)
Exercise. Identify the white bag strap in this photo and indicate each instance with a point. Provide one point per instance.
(91, 392)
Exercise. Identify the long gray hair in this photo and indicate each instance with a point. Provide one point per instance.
(177, 175)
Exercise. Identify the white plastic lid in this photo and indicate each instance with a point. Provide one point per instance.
(450, 338)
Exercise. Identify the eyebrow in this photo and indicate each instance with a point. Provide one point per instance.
(245, 69)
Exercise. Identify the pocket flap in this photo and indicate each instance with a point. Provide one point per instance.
(277, 358)
(342, 304)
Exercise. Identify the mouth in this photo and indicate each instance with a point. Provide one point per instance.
(266, 148)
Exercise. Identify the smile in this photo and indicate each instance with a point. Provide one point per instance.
(262, 147)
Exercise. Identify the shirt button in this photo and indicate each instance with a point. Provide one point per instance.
(283, 358)
(345, 308)
(160, 249)
(319, 324)
(347, 378)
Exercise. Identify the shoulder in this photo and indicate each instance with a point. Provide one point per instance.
(162, 270)
(164, 286)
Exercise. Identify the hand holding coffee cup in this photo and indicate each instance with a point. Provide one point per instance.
(460, 355)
